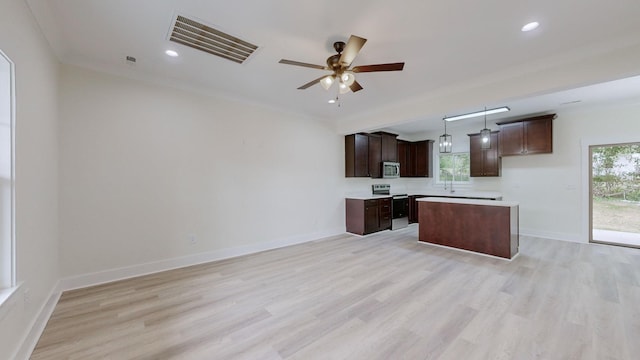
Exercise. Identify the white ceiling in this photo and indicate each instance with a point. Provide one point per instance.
(444, 44)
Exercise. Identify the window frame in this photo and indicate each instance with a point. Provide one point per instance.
(439, 181)
(8, 283)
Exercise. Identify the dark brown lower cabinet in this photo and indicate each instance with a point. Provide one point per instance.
(368, 216)
(384, 218)
(413, 208)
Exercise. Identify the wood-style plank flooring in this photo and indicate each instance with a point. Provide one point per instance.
(383, 296)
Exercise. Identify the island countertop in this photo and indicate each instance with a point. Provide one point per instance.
(469, 201)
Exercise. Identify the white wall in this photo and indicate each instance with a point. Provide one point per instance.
(143, 167)
(36, 170)
(552, 188)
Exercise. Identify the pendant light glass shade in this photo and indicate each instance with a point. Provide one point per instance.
(485, 134)
(445, 141)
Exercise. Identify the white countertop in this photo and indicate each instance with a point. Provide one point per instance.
(365, 196)
(441, 193)
(470, 201)
(459, 194)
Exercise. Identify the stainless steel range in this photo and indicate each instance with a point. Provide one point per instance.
(399, 205)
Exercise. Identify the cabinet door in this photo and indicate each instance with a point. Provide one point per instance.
(511, 139)
(375, 156)
(423, 163)
(403, 158)
(476, 155)
(356, 150)
(484, 162)
(538, 136)
(371, 211)
(389, 147)
(491, 162)
(527, 136)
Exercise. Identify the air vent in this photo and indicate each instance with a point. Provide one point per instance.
(205, 38)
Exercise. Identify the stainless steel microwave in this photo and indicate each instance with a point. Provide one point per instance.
(390, 170)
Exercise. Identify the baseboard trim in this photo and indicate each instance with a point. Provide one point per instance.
(552, 235)
(30, 341)
(101, 277)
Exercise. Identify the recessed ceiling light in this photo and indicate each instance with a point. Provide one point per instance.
(332, 101)
(530, 26)
(171, 53)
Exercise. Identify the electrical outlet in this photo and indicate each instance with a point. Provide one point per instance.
(192, 239)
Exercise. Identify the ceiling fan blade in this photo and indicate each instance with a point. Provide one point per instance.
(355, 86)
(311, 83)
(351, 50)
(298, 63)
(378, 67)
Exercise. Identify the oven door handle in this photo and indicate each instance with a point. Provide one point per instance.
(400, 197)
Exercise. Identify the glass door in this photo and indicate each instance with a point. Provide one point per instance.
(615, 194)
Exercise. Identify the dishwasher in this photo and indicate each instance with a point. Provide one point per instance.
(400, 211)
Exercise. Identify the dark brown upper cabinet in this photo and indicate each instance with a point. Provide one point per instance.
(423, 153)
(484, 162)
(526, 136)
(389, 150)
(364, 153)
(356, 150)
(415, 158)
(404, 158)
(375, 156)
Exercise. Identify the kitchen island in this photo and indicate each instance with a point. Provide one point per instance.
(485, 226)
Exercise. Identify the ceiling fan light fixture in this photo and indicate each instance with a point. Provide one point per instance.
(326, 82)
(340, 64)
(348, 78)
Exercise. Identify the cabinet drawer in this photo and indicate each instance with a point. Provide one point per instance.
(368, 203)
(385, 207)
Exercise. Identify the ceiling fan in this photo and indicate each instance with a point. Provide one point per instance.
(340, 65)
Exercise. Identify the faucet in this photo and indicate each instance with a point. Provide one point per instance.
(451, 182)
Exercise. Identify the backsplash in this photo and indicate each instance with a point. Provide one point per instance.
(414, 185)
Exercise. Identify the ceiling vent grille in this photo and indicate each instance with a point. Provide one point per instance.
(205, 38)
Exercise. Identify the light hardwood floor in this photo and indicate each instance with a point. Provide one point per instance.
(384, 296)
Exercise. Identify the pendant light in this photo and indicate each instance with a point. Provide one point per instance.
(485, 134)
(445, 140)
